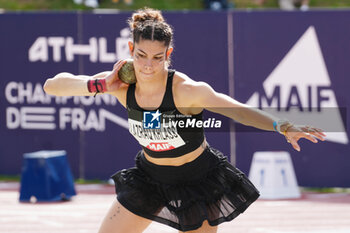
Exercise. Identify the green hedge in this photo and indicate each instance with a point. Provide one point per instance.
(158, 4)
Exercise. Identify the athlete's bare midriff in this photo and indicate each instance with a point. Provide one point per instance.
(178, 161)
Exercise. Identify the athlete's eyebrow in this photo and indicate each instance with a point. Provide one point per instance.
(161, 53)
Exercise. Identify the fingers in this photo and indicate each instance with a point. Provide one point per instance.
(318, 133)
(294, 140)
(116, 68)
(119, 64)
(309, 137)
(112, 80)
(295, 144)
(307, 132)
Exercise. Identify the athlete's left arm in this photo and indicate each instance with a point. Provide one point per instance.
(204, 96)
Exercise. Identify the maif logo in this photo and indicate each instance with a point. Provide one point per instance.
(301, 86)
(151, 120)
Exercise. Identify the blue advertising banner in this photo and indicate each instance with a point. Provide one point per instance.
(29, 120)
(295, 65)
(93, 131)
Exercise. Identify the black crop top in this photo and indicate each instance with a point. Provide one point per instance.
(164, 132)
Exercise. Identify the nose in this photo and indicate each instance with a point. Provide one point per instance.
(148, 64)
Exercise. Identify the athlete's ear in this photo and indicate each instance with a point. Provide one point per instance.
(169, 51)
(131, 47)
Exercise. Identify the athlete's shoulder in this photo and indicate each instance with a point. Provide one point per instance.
(187, 90)
(184, 83)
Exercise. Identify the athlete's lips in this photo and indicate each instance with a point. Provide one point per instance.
(146, 73)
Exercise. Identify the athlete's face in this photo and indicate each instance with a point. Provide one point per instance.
(149, 58)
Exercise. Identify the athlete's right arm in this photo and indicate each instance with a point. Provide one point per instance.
(66, 84)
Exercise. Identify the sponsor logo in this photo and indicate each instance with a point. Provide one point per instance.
(59, 48)
(299, 89)
(160, 146)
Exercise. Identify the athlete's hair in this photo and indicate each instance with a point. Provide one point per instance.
(149, 24)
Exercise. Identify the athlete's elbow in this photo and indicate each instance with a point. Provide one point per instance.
(48, 86)
(51, 87)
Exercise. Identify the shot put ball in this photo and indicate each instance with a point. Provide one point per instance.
(127, 72)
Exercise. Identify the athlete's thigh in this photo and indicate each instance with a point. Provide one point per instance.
(121, 220)
(205, 228)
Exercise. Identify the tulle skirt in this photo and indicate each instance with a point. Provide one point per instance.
(208, 188)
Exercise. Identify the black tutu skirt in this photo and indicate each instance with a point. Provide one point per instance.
(208, 188)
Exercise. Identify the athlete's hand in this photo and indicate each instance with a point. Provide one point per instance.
(113, 82)
(295, 132)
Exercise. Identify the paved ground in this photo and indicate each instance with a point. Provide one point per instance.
(313, 213)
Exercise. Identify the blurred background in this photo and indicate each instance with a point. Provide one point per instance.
(288, 57)
(272, 54)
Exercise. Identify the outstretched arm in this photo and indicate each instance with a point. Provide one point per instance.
(67, 84)
(206, 97)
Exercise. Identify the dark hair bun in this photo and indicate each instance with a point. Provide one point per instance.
(145, 14)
